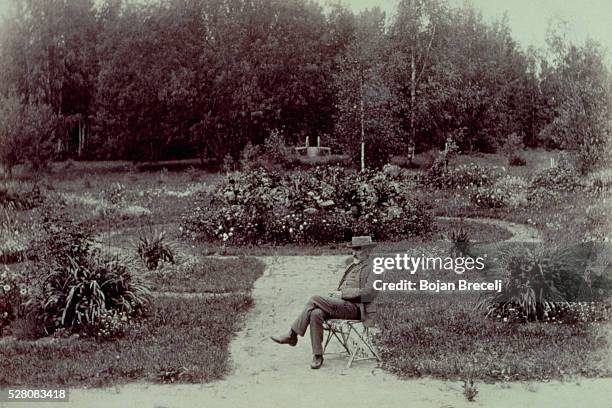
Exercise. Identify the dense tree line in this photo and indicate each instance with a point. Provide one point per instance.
(121, 79)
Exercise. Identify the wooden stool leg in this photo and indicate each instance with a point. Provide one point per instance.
(352, 357)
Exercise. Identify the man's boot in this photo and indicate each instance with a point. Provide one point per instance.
(290, 338)
(317, 362)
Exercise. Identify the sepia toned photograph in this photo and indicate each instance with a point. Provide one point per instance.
(303, 203)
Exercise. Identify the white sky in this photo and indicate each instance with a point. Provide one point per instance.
(528, 19)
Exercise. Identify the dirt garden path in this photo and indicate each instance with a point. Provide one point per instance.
(268, 375)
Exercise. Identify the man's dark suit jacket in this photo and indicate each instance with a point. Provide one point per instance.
(365, 294)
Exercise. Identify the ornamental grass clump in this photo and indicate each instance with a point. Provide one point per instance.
(546, 284)
(79, 288)
(78, 297)
(153, 249)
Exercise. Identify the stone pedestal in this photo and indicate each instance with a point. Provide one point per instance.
(312, 151)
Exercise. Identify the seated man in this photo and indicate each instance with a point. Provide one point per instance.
(352, 301)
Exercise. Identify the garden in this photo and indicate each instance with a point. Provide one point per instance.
(105, 272)
(74, 310)
(178, 176)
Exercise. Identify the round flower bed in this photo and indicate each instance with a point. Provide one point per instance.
(323, 205)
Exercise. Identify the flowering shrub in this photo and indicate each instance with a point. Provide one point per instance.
(463, 176)
(560, 178)
(540, 197)
(512, 148)
(116, 193)
(556, 312)
(13, 292)
(508, 191)
(317, 206)
(516, 190)
(489, 197)
(112, 324)
(15, 231)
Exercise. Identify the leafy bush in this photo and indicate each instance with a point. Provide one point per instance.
(229, 163)
(61, 241)
(152, 249)
(15, 233)
(272, 154)
(17, 196)
(539, 197)
(516, 190)
(516, 160)
(318, 206)
(512, 148)
(27, 133)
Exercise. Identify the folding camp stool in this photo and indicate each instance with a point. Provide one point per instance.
(354, 337)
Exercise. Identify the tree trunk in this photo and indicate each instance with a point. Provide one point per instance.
(80, 144)
(412, 96)
(362, 126)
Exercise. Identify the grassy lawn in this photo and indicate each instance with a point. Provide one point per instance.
(184, 340)
(567, 220)
(443, 335)
(440, 335)
(207, 275)
(536, 160)
(113, 200)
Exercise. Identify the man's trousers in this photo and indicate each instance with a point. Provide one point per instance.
(319, 309)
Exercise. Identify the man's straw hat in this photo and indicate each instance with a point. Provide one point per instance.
(362, 242)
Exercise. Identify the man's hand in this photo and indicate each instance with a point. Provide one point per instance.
(336, 294)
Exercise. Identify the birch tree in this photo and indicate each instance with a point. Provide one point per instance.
(364, 121)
